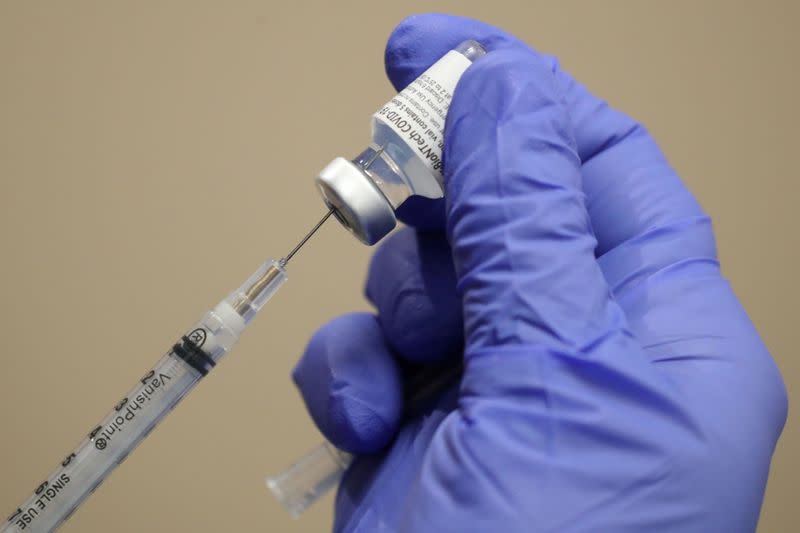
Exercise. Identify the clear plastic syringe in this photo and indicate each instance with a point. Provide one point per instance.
(154, 395)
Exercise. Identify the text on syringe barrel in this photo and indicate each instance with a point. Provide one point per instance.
(106, 445)
(136, 414)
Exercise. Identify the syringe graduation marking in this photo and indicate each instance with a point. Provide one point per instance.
(190, 352)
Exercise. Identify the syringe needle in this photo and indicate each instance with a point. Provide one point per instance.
(288, 256)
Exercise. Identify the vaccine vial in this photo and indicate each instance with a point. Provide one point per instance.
(405, 155)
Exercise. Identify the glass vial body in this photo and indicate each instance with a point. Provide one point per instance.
(404, 157)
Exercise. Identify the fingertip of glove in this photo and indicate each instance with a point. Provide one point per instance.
(421, 328)
(402, 54)
(350, 383)
(355, 426)
(414, 32)
(412, 284)
(420, 39)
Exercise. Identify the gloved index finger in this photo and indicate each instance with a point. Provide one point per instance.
(629, 185)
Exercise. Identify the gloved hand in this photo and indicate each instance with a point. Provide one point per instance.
(612, 383)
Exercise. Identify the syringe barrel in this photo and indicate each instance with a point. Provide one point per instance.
(138, 412)
(105, 446)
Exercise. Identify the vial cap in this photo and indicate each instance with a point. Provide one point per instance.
(356, 200)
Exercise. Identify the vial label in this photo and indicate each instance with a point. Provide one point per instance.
(418, 112)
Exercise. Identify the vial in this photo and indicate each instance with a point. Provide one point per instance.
(404, 157)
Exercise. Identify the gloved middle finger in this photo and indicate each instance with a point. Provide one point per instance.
(412, 284)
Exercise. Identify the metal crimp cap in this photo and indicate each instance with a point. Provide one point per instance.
(357, 202)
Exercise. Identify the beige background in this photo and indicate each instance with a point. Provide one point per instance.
(153, 153)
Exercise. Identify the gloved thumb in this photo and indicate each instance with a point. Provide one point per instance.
(517, 222)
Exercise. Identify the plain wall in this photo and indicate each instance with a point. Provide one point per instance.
(153, 153)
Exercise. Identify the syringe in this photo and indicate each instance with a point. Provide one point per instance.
(156, 393)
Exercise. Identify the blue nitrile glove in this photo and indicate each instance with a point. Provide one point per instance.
(612, 383)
